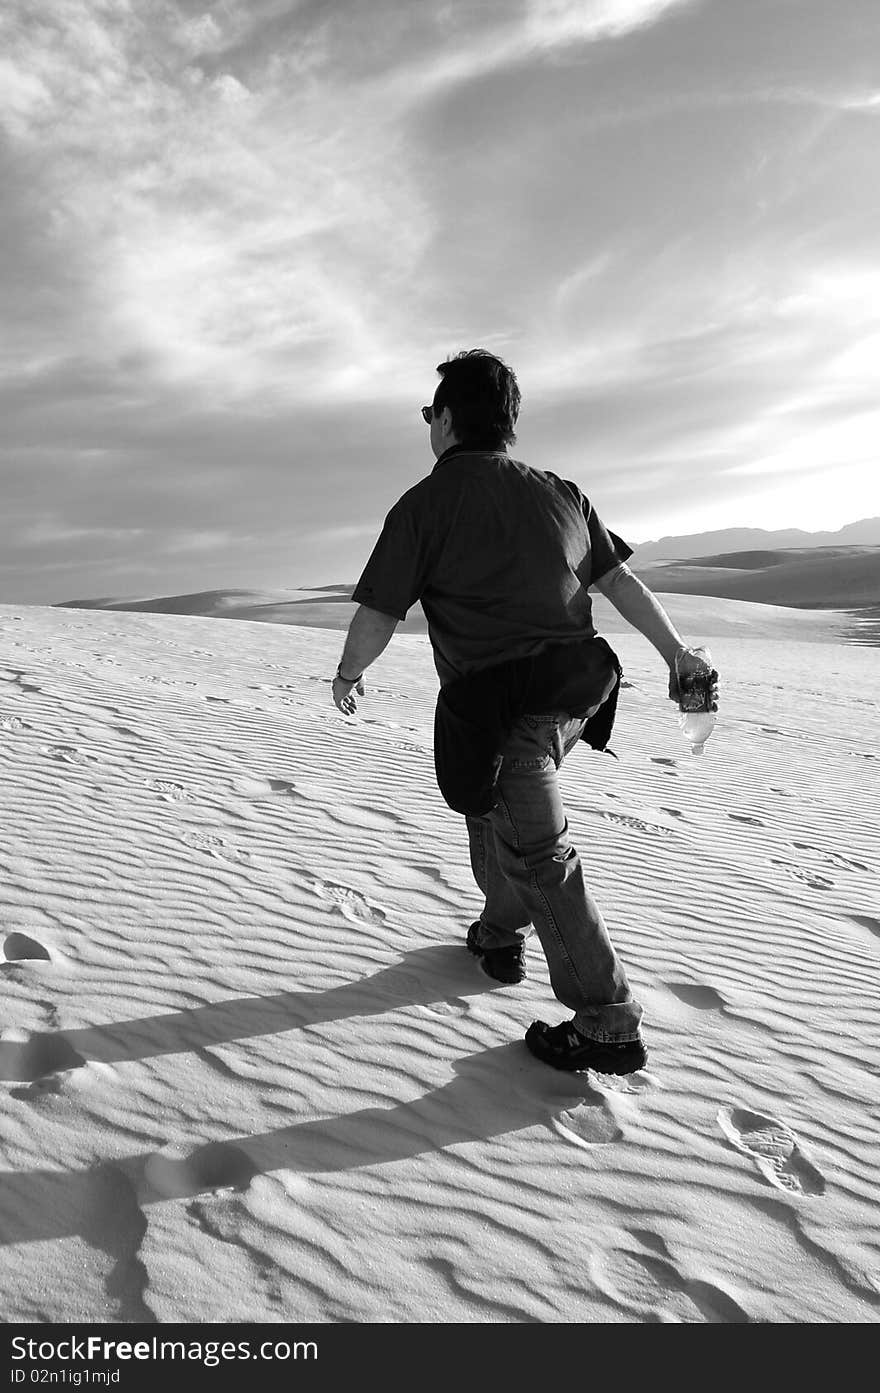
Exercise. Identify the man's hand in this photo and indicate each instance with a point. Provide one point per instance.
(368, 635)
(688, 667)
(345, 694)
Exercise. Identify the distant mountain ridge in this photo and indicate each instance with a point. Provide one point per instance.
(866, 532)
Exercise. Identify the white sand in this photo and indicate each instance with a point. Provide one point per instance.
(251, 1073)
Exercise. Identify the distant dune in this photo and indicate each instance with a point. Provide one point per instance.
(805, 578)
(324, 607)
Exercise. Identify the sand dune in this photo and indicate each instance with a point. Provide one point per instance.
(250, 1072)
(826, 578)
(325, 607)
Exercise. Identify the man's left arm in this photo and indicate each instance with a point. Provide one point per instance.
(368, 636)
(641, 608)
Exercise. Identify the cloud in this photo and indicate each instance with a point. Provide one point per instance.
(46, 532)
(354, 532)
(247, 221)
(556, 23)
(462, 46)
(231, 238)
(195, 543)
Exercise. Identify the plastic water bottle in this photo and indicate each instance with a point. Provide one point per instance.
(696, 708)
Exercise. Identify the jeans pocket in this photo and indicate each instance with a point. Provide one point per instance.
(531, 743)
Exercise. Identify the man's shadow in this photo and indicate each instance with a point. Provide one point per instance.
(441, 973)
(494, 1092)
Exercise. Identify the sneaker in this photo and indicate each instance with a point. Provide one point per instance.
(503, 964)
(565, 1048)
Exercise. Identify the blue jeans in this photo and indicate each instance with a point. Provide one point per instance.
(525, 865)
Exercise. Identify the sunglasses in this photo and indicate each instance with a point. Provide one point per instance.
(427, 414)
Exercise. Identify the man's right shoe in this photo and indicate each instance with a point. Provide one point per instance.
(565, 1048)
(506, 965)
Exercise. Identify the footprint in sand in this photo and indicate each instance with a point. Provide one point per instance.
(623, 820)
(697, 994)
(832, 858)
(810, 878)
(650, 1282)
(69, 754)
(214, 846)
(591, 1122)
(350, 902)
(774, 1148)
(168, 790)
(18, 947)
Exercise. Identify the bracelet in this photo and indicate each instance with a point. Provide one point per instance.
(350, 681)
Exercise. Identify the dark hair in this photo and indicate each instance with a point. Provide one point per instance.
(483, 397)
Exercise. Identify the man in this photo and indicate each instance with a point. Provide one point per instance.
(502, 556)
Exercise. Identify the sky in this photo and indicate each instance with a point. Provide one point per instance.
(238, 237)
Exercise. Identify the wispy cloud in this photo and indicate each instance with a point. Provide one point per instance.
(557, 23)
(229, 236)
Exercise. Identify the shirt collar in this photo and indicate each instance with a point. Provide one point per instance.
(459, 449)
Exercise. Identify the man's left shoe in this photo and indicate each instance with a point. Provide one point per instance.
(565, 1048)
(507, 965)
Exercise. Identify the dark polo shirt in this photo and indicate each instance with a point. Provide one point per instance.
(500, 556)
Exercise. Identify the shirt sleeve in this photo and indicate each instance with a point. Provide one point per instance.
(395, 575)
(607, 550)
